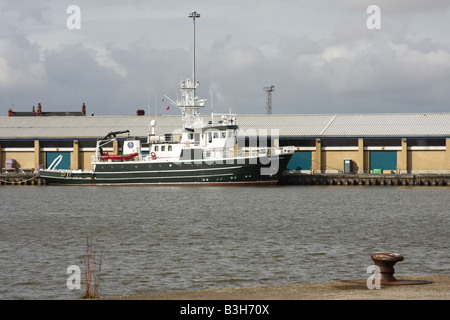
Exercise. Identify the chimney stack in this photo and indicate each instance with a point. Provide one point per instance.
(39, 110)
(83, 109)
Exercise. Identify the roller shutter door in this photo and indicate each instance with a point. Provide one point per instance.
(301, 160)
(65, 161)
(385, 160)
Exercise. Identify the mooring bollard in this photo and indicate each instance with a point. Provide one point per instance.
(386, 261)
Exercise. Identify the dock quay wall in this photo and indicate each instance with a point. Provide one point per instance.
(319, 179)
(366, 179)
(21, 180)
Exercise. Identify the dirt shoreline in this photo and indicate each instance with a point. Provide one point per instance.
(439, 289)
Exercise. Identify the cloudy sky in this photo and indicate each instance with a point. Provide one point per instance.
(319, 54)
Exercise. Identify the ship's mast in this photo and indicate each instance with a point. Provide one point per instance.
(189, 103)
(194, 15)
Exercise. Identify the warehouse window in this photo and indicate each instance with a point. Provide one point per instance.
(56, 143)
(254, 142)
(17, 143)
(339, 142)
(395, 142)
(87, 143)
(298, 142)
(426, 142)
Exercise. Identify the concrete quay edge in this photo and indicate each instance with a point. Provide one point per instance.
(439, 289)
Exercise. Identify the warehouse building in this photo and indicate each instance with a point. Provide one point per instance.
(327, 143)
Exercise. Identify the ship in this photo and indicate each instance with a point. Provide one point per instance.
(203, 151)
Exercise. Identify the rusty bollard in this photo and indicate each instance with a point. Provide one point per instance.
(386, 261)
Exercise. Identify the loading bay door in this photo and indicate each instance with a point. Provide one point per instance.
(385, 160)
(52, 155)
(301, 160)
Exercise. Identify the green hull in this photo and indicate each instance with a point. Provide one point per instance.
(263, 170)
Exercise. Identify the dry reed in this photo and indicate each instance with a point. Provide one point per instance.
(93, 266)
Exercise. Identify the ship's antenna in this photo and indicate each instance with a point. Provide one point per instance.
(211, 87)
(156, 108)
(194, 15)
(148, 111)
(211, 93)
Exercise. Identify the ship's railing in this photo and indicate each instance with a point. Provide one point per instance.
(167, 138)
(290, 149)
(245, 152)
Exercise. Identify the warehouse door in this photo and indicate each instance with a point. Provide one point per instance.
(385, 160)
(301, 160)
(65, 161)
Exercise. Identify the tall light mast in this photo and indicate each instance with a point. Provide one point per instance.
(194, 15)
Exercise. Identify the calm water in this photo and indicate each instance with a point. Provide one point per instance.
(157, 239)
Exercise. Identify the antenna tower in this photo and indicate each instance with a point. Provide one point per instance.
(269, 98)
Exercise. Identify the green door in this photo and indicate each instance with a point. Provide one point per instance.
(65, 161)
(385, 160)
(301, 160)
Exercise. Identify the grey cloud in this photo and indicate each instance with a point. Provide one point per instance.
(394, 6)
(26, 9)
(75, 76)
(20, 63)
